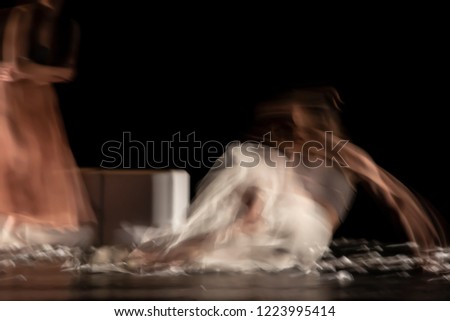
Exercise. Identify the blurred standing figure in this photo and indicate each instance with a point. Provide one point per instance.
(42, 199)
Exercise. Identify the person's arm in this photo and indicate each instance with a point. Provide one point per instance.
(40, 73)
(420, 224)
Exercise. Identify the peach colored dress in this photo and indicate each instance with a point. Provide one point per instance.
(40, 183)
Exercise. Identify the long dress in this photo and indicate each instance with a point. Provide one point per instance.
(40, 185)
(294, 229)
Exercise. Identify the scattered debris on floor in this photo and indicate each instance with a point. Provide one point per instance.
(345, 260)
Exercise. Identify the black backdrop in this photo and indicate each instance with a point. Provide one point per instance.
(154, 72)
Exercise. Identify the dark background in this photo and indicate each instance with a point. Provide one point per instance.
(157, 71)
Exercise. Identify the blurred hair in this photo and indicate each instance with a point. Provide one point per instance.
(277, 116)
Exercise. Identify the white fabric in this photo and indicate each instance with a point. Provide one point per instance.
(293, 229)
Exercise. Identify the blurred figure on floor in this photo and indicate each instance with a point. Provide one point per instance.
(274, 201)
(42, 197)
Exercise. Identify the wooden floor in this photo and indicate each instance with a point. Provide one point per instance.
(46, 281)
